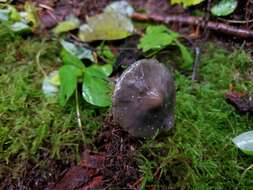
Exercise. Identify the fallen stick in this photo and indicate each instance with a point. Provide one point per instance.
(197, 21)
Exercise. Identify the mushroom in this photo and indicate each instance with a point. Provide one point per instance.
(144, 98)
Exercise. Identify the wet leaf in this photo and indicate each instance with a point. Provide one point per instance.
(68, 77)
(70, 59)
(78, 51)
(156, 38)
(224, 7)
(106, 26)
(105, 68)
(122, 7)
(4, 14)
(50, 84)
(245, 142)
(71, 23)
(186, 3)
(9, 13)
(20, 27)
(96, 87)
(186, 55)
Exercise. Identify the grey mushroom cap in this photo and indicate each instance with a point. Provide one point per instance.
(144, 99)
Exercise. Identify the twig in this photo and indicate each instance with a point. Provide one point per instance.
(196, 63)
(46, 7)
(79, 116)
(236, 21)
(197, 21)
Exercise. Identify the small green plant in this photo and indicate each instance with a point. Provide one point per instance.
(160, 37)
(96, 87)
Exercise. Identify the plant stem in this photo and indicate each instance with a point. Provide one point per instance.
(79, 116)
(38, 63)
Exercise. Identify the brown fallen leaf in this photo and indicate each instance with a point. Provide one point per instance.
(75, 177)
(95, 183)
(241, 101)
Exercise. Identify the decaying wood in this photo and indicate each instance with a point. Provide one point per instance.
(197, 21)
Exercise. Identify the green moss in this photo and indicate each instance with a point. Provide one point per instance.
(199, 154)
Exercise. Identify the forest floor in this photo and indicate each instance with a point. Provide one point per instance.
(41, 146)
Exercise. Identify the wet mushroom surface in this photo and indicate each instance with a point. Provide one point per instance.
(144, 99)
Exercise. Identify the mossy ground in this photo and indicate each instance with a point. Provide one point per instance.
(199, 154)
(30, 127)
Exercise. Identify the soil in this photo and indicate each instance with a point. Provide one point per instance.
(111, 167)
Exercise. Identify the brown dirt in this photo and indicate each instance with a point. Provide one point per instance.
(112, 166)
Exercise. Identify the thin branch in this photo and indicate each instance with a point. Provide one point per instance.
(196, 63)
(236, 21)
(197, 21)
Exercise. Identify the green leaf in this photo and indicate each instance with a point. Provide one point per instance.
(186, 55)
(186, 3)
(106, 26)
(50, 84)
(245, 142)
(157, 38)
(105, 52)
(224, 7)
(122, 7)
(55, 78)
(96, 88)
(14, 16)
(4, 14)
(20, 27)
(70, 59)
(78, 51)
(9, 13)
(68, 77)
(105, 68)
(71, 23)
